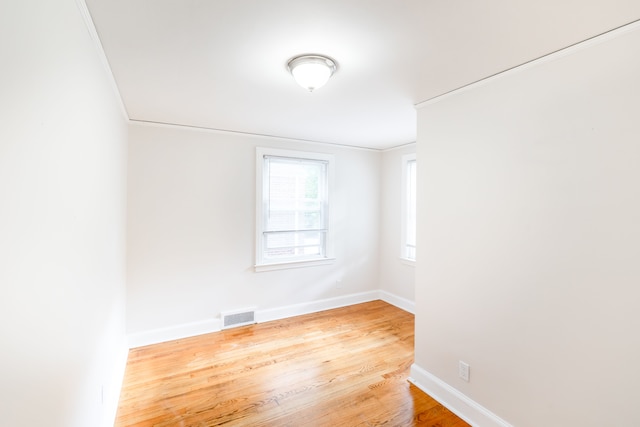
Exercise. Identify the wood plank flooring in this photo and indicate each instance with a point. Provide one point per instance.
(343, 367)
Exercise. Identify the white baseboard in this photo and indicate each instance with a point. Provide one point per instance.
(115, 387)
(403, 303)
(156, 336)
(185, 330)
(458, 403)
(314, 306)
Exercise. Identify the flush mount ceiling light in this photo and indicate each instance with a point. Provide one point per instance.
(312, 71)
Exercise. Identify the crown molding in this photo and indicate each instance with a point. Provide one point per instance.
(552, 56)
(93, 32)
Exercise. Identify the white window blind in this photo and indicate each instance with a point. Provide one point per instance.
(293, 219)
(409, 221)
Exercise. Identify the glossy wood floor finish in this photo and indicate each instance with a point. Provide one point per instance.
(344, 367)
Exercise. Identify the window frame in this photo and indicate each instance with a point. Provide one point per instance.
(404, 252)
(262, 264)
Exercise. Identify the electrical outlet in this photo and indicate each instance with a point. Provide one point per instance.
(338, 283)
(463, 370)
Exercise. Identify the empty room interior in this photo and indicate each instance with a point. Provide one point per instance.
(168, 172)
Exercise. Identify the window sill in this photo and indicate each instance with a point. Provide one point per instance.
(293, 264)
(407, 261)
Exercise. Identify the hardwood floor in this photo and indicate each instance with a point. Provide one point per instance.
(343, 367)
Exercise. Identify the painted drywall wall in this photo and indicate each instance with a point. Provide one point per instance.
(191, 225)
(529, 231)
(62, 214)
(396, 276)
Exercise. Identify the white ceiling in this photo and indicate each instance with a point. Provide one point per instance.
(221, 64)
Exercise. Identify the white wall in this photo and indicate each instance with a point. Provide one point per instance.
(396, 275)
(191, 225)
(62, 221)
(529, 231)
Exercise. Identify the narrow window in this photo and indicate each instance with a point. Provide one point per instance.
(409, 207)
(293, 207)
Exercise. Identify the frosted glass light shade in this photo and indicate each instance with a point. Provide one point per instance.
(311, 71)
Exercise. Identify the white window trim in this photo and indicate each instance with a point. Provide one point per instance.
(408, 261)
(262, 265)
(403, 237)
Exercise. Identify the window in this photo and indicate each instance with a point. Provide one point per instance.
(292, 214)
(408, 250)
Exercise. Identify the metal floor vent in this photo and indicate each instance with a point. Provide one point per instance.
(231, 319)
